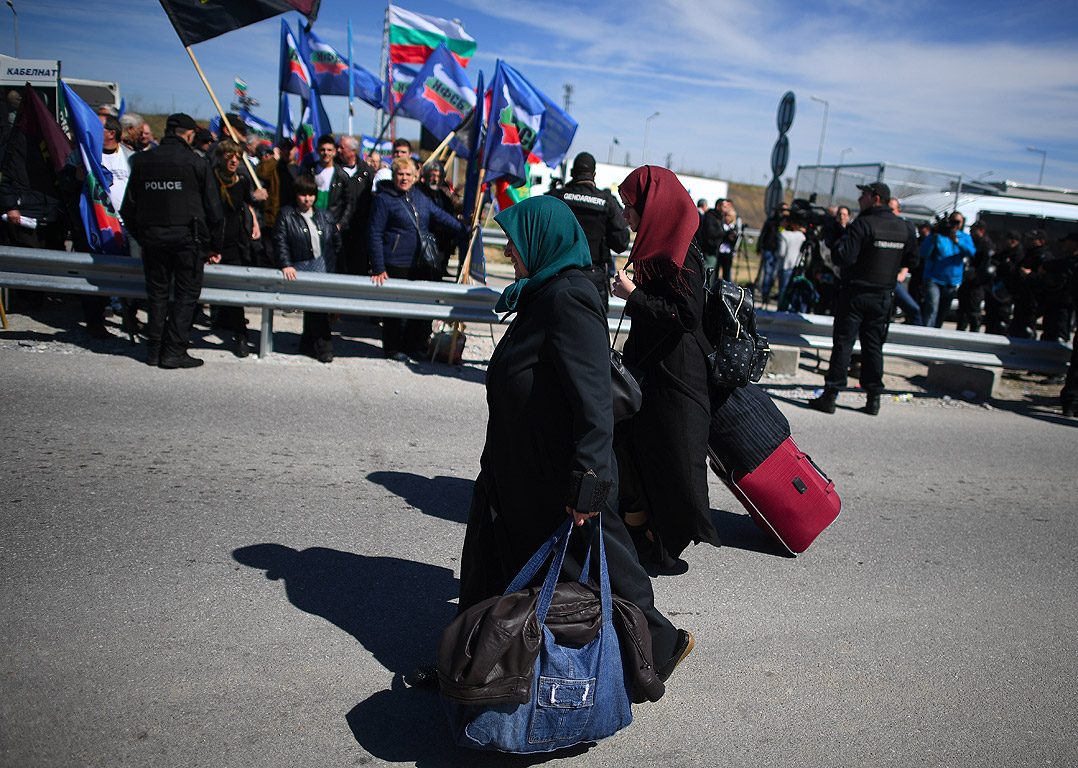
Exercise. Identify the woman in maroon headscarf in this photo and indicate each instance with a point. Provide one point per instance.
(661, 450)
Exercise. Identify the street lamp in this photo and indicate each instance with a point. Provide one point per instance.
(826, 107)
(1044, 157)
(843, 153)
(11, 5)
(647, 124)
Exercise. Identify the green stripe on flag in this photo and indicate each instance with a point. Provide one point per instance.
(408, 36)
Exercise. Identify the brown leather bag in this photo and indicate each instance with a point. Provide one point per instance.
(487, 654)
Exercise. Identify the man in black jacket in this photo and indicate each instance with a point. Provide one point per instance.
(173, 209)
(335, 192)
(876, 247)
(353, 257)
(599, 214)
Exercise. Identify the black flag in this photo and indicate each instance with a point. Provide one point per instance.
(198, 20)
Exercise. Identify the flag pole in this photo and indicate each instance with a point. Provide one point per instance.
(466, 266)
(224, 120)
(351, 80)
(386, 69)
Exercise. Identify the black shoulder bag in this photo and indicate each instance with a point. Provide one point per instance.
(428, 246)
(623, 385)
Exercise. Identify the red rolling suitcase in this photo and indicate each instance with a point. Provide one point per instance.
(787, 495)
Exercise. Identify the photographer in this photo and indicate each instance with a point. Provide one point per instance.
(767, 247)
(944, 254)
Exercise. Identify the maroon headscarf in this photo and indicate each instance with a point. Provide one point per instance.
(668, 221)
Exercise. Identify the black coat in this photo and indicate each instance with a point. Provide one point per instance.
(293, 238)
(663, 447)
(549, 420)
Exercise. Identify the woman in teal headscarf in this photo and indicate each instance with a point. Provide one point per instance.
(550, 424)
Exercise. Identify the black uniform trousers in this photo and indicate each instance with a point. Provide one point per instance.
(863, 313)
(179, 268)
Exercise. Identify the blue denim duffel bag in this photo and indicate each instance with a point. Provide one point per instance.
(579, 692)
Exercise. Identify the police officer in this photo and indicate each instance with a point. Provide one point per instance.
(599, 214)
(173, 209)
(874, 253)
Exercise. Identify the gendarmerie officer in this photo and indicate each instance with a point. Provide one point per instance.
(876, 247)
(599, 214)
(173, 209)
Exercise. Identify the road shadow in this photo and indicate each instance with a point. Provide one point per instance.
(447, 498)
(395, 608)
(739, 531)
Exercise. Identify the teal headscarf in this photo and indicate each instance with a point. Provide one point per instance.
(549, 239)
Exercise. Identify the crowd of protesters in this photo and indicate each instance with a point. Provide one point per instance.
(261, 188)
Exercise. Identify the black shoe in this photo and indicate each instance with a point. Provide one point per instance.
(325, 357)
(423, 677)
(682, 648)
(1068, 410)
(186, 361)
(825, 403)
(872, 405)
(242, 347)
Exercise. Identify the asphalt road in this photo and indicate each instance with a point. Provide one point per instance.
(233, 565)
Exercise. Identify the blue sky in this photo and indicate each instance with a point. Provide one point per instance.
(958, 86)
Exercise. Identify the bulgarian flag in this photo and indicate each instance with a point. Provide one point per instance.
(412, 39)
(414, 36)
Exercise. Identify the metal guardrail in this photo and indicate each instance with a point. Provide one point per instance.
(925, 344)
(67, 272)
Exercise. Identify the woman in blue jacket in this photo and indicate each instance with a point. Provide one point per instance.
(398, 215)
(943, 253)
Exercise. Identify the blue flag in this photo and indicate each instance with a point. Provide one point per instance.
(100, 221)
(295, 75)
(440, 95)
(284, 120)
(524, 124)
(266, 132)
(367, 143)
(329, 71)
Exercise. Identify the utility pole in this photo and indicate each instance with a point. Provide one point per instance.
(568, 103)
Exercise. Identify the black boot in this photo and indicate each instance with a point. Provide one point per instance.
(872, 405)
(153, 352)
(825, 403)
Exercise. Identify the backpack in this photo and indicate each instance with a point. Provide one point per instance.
(738, 353)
